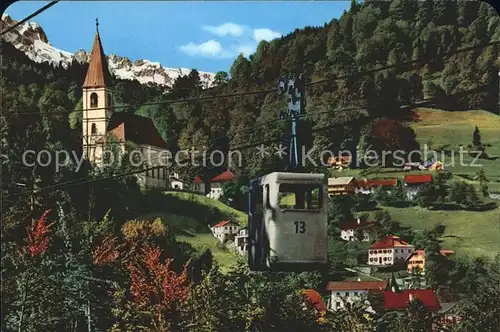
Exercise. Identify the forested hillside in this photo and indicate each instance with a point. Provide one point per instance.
(368, 36)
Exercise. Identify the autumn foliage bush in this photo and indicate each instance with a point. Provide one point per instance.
(38, 236)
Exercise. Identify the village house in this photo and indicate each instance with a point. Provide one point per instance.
(343, 292)
(365, 186)
(341, 186)
(215, 190)
(225, 231)
(413, 166)
(340, 162)
(416, 260)
(102, 124)
(241, 240)
(414, 183)
(177, 183)
(348, 230)
(389, 251)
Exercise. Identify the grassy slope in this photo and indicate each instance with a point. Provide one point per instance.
(471, 233)
(478, 233)
(452, 129)
(192, 231)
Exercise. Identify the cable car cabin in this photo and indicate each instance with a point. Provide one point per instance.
(287, 222)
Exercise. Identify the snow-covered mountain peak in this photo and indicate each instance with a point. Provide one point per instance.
(30, 38)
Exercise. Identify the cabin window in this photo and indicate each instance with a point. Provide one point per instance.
(300, 197)
(267, 194)
(94, 129)
(93, 100)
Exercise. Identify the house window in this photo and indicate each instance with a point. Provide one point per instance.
(94, 129)
(93, 100)
(338, 293)
(355, 293)
(346, 293)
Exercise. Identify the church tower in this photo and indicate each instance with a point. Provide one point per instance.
(97, 101)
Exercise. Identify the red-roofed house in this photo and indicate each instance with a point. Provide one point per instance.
(389, 251)
(365, 186)
(343, 292)
(414, 183)
(348, 229)
(225, 230)
(215, 184)
(400, 300)
(101, 124)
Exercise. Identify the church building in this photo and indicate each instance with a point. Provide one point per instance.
(101, 122)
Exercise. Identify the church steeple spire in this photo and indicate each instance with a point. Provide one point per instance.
(98, 73)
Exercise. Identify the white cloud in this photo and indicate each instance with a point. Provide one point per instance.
(246, 49)
(226, 29)
(244, 44)
(265, 34)
(211, 48)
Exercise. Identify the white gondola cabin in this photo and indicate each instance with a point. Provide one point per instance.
(287, 222)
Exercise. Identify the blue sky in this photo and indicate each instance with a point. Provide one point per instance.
(190, 34)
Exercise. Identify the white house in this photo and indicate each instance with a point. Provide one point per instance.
(177, 183)
(215, 191)
(225, 230)
(241, 240)
(389, 251)
(348, 230)
(344, 292)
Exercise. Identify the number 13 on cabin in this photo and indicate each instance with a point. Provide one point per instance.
(288, 222)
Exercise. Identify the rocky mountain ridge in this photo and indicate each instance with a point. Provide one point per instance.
(30, 38)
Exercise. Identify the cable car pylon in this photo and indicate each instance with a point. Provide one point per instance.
(287, 214)
(293, 88)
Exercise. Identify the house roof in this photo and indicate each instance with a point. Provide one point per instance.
(390, 241)
(340, 181)
(418, 179)
(400, 300)
(223, 177)
(98, 75)
(376, 183)
(134, 128)
(355, 285)
(355, 225)
(224, 223)
(315, 299)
